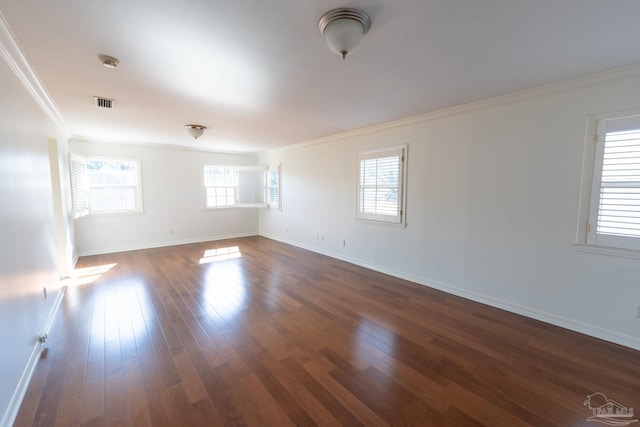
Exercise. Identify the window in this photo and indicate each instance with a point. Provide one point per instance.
(105, 186)
(613, 218)
(219, 186)
(381, 176)
(244, 186)
(273, 186)
(79, 186)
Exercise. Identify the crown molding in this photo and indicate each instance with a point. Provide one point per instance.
(158, 145)
(12, 53)
(619, 73)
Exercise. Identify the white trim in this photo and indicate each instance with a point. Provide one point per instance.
(552, 88)
(604, 250)
(23, 384)
(221, 208)
(13, 54)
(543, 316)
(48, 323)
(586, 178)
(590, 186)
(147, 144)
(117, 249)
(376, 222)
(21, 389)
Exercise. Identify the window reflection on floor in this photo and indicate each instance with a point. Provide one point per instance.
(87, 275)
(220, 254)
(375, 341)
(225, 284)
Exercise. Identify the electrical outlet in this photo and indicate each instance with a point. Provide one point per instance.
(636, 310)
(344, 243)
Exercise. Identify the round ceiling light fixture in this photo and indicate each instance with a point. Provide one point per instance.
(195, 131)
(109, 61)
(343, 29)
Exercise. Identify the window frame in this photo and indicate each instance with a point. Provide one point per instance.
(83, 189)
(378, 153)
(205, 204)
(238, 195)
(587, 236)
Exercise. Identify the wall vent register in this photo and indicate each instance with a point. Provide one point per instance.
(107, 103)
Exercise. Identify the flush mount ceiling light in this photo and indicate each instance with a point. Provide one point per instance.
(109, 61)
(195, 131)
(343, 28)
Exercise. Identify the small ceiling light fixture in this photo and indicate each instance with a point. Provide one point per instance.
(343, 28)
(195, 131)
(109, 61)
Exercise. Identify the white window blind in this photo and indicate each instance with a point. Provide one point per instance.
(616, 184)
(380, 185)
(252, 191)
(79, 186)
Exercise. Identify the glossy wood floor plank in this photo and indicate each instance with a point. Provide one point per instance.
(252, 332)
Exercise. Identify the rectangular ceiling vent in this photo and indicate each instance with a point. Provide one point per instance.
(104, 102)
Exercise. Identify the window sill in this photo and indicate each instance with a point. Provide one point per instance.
(382, 223)
(110, 214)
(221, 208)
(605, 250)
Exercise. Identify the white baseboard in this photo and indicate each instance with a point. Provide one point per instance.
(563, 322)
(163, 244)
(21, 389)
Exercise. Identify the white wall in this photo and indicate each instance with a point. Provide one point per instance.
(493, 194)
(27, 243)
(172, 200)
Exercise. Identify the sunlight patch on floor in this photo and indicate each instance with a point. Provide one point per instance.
(88, 275)
(225, 289)
(220, 254)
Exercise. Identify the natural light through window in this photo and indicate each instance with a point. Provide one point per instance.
(219, 186)
(105, 186)
(220, 254)
(610, 208)
(380, 185)
(241, 186)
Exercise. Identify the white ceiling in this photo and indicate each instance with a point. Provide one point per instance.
(259, 74)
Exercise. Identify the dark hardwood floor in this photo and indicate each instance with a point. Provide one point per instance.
(259, 333)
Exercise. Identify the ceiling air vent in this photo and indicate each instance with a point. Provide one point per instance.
(104, 102)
